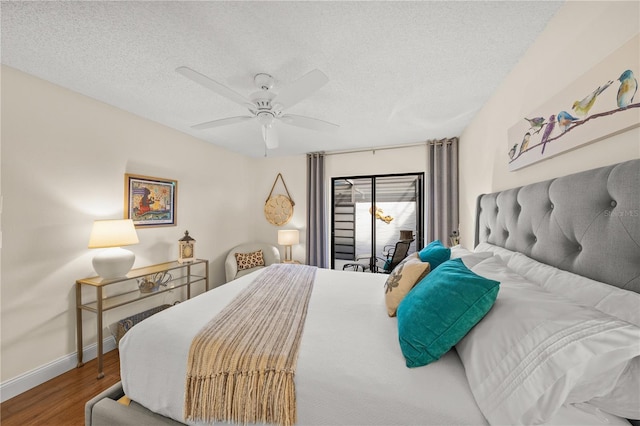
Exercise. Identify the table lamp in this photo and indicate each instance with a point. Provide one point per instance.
(113, 262)
(287, 238)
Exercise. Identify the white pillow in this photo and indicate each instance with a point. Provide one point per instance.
(609, 299)
(503, 253)
(624, 399)
(459, 251)
(535, 351)
(469, 258)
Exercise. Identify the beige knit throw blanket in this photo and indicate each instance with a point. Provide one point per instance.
(241, 364)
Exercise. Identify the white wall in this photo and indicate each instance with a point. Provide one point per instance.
(293, 170)
(579, 37)
(64, 157)
(382, 161)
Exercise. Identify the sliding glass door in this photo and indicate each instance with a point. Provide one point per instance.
(370, 214)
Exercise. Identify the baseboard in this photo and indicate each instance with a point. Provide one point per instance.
(33, 378)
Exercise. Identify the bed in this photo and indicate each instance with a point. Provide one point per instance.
(566, 255)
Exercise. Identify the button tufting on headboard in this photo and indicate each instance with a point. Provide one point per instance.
(545, 221)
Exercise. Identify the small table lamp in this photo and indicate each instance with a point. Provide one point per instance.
(114, 262)
(287, 238)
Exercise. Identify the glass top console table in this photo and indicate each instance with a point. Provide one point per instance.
(182, 275)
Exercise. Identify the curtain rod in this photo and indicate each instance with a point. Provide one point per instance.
(382, 148)
(441, 142)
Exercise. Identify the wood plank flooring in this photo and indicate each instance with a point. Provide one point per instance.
(60, 401)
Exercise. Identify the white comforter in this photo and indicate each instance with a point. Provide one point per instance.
(350, 368)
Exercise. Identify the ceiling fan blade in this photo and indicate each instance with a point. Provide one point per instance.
(301, 88)
(214, 86)
(222, 122)
(270, 137)
(309, 123)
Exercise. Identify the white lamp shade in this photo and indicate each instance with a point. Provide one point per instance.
(113, 233)
(113, 262)
(288, 237)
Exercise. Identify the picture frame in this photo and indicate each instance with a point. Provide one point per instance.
(150, 201)
(590, 109)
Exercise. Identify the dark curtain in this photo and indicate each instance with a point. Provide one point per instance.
(442, 190)
(316, 220)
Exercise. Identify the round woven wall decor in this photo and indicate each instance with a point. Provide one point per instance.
(278, 209)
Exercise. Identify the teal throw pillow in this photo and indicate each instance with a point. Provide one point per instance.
(435, 253)
(441, 309)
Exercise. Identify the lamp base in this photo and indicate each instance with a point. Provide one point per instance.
(113, 262)
(287, 254)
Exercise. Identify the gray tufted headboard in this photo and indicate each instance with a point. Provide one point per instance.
(587, 223)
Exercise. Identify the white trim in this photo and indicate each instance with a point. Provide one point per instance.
(35, 377)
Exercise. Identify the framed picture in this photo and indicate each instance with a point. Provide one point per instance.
(150, 201)
(600, 103)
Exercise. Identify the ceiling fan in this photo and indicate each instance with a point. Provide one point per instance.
(265, 105)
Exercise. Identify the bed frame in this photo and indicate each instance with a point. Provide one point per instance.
(587, 223)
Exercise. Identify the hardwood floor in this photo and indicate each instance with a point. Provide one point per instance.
(60, 401)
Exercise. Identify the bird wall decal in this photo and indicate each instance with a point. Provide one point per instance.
(565, 119)
(547, 131)
(627, 90)
(579, 118)
(525, 143)
(582, 107)
(536, 123)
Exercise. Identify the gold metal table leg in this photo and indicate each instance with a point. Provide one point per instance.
(99, 331)
(79, 324)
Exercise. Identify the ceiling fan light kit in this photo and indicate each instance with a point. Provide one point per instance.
(265, 118)
(261, 104)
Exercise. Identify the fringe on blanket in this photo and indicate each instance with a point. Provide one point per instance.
(242, 364)
(265, 397)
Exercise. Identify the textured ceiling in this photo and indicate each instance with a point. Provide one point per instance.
(399, 72)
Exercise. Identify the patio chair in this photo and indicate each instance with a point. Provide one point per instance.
(393, 254)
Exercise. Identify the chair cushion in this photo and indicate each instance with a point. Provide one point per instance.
(270, 255)
(249, 260)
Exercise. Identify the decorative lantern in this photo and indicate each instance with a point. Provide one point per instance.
(186, 251)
